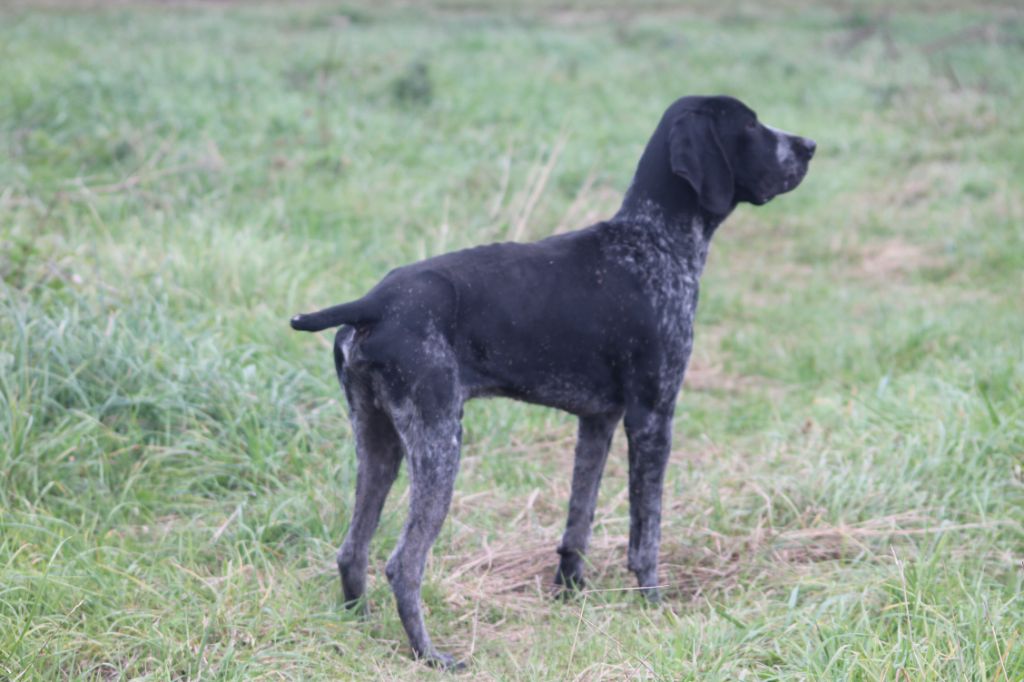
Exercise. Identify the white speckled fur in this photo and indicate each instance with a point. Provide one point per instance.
(784, 152)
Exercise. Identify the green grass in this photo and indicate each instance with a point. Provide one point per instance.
(846, 497)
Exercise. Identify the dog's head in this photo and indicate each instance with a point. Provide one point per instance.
(717, 145)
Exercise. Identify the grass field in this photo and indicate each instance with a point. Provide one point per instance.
(846, 494)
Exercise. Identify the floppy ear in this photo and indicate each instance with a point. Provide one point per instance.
(697, 156)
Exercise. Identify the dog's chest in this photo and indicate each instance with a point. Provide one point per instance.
(673, 292)
(668, 263)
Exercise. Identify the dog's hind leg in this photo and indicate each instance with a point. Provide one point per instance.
(594, 439)
(650, 440)
(429, 425)
(379, 455)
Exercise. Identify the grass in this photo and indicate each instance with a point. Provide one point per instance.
(845, 499)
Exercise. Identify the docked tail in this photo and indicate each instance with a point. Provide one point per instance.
(356, 312)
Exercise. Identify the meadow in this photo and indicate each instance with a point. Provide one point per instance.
(846, 493)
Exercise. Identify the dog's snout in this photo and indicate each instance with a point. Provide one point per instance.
(807, 145)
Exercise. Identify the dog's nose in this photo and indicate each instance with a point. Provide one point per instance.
(810, 145)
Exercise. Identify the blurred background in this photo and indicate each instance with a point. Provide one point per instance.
(176, 469)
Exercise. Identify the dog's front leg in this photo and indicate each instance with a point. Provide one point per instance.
(650, 439)
(595, 436)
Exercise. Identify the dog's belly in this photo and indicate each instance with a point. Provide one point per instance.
(594, 393)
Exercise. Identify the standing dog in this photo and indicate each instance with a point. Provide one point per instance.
(597, 322)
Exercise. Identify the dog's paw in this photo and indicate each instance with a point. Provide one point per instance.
(443, 661)
(359, 607)
(569, 579)
(570, 570)
(651, 595)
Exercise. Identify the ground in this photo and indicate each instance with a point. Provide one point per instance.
(176, 469)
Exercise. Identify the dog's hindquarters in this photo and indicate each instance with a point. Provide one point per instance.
(405, 398)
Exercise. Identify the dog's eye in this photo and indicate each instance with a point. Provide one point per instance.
(752, 124)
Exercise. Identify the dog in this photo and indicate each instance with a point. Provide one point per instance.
(597, 322)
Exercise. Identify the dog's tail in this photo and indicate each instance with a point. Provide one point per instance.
(355, 313)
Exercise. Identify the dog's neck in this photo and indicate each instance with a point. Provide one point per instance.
(667, 207)
(673, 207)
(677, 227)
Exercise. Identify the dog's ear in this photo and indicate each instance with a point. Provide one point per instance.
(697, 157)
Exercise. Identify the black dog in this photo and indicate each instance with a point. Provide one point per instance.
(597, 322)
